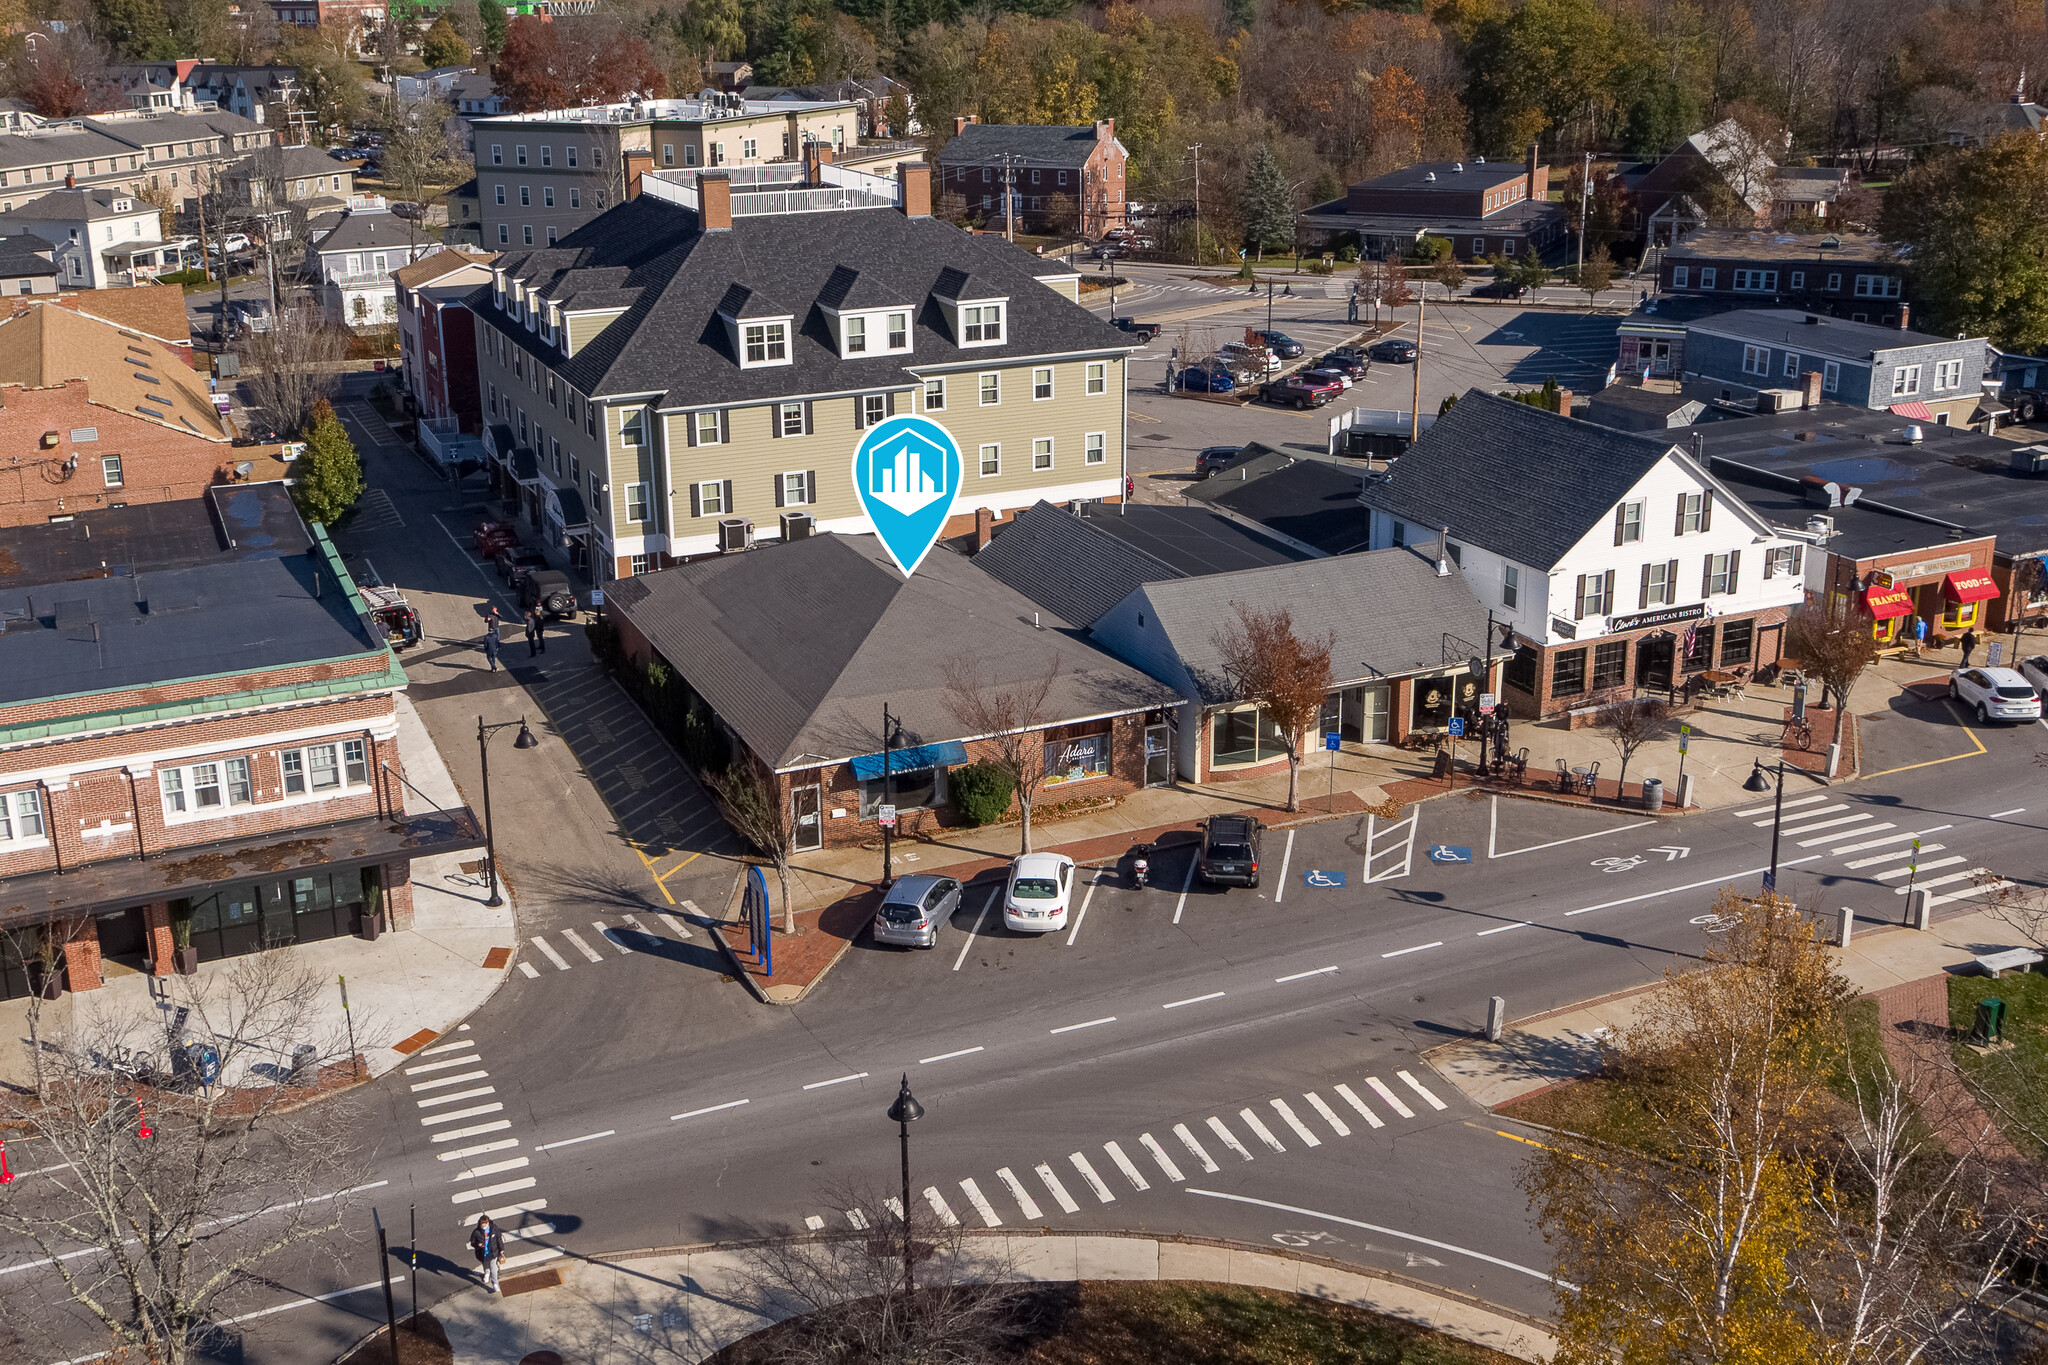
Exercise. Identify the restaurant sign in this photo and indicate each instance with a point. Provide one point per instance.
(1928, 568)
(1663, 616)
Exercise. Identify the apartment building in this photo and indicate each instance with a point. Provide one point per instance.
(1061, 179)
(437, 336)
(354, 258)
(540, 176)
(132, 151)
(100, 237)
(695, 369)
(176, 770)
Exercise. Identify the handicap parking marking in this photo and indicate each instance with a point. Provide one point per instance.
(1450, 853)
(1320, 877)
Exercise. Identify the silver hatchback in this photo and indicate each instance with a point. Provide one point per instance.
(914, 908)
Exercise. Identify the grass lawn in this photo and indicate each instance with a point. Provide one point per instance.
(2012, 1078)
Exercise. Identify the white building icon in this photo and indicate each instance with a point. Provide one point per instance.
(909, 477)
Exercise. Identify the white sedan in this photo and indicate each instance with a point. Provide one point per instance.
(1996, 693)
(2035, 671)
(1035, 902)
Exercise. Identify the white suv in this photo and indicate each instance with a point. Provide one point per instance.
(1997, 693)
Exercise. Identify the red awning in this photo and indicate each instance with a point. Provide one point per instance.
(1969, 585)
(1916, 411)
(1885, 603)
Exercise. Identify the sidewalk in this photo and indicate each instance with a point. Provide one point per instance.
(1551, 1049)
(403, 990)
(684, 1306)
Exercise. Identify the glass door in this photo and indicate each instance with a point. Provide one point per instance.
(1158, 756)
(810, 826)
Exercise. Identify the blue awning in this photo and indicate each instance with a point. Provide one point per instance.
(868, 767)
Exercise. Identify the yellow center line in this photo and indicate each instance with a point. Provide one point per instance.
(649, 864)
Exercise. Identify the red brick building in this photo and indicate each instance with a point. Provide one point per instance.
(437, 334)
(94, 415)
(177, 775)
(1064, 179)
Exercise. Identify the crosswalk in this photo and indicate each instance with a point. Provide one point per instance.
(1065, 1182)
(1889, 855)
(630, 935)
(452, 1087)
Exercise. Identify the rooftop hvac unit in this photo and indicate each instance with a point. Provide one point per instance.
(2030, 460)
(735, 533)
(797, 525)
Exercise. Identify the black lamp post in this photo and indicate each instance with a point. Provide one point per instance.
(904, 1112)
(1757, 782)
(889, 730)
(483, 753)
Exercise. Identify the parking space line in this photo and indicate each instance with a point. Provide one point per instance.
(1286, 856)
(1081, 916)
(1185, 883)
(979, 919)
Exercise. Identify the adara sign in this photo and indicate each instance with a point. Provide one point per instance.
(907, 470)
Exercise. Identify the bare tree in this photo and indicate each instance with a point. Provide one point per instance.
(419, 158)
(1834, 647)
(1010, 717)
(37, 952)
(181, 1195)
(1628, 726)
(291, 367)
(752, 802)
(1286, 676)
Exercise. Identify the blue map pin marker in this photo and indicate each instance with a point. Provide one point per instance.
(907, 470)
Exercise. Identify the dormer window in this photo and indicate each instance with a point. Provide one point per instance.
(981, 324)
(856, 336)
(899, 331)
(765, 343)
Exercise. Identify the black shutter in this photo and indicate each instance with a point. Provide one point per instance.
(1679, 528)
(859, 412)
(811, 485)
(778, 490)
(1607, 595)
(889, 403)
(1643, 597)
(1707, 510)
(696, 501)
(1579, 600)
(1671, 583)
(775, 420)
(1707, 576)
(1767, 566)
(727, 499)
(807, 417)
(724, 427)
(1734, 568)
(1620, 517)
(690, 428)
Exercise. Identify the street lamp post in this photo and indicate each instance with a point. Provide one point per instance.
(904, 1112)
(483, 753)
(888, 795)
(1757, 782)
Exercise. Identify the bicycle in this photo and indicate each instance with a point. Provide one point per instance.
(1798, 731)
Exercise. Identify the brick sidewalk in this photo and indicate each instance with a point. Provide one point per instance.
(1914, 1022)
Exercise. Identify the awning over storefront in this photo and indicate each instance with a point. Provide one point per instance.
(868, 767)
(1969, 585)
(1918, 412)
(1885, 603)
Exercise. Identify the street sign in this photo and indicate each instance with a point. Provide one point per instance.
(1487, 702)
(1994, 654)
(1450, 853)
(1318, 877)
(887, 817)
(1332, 740)
(1684, 738)
(1457, 726)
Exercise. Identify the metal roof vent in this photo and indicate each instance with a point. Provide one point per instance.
(1914, 436)
(1457, 168)
(1429, 175)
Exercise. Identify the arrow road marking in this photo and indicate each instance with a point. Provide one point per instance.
(1672, 853)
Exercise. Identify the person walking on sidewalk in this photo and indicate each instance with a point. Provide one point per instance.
(488, 1244)
(1919, 636)
(536, 643)
(491, 641)
(1969, 646)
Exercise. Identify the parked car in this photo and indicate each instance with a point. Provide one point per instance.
(2035, 671)
(1236, 367)
(250, 315)
(1214, 458)
(1500, 289)
(389, 609)
(1035, 901)
(1996, 693)
(514, 562)
(1393, 350)
(914, 908)
(1299, 391)
(489, 537)
(1200, 379)
(1230, 851)
(1282, 345)
(548, 591)
(1143, 331)
(1261, 360)
(1357, 366)
(1341, 378)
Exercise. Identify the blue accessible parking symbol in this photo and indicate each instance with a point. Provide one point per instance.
(1318, 877)
(1450, 853)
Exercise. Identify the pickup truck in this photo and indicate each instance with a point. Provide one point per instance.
(1299, 391)
(1143, 331)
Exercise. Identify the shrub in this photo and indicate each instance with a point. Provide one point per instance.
(981, 792)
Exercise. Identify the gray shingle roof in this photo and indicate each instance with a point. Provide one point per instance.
(1312, 501)
(670, 341)
(1192, 540)
(1387, 609)
(980, 143)
(1822, 336)
(797, 645)
(358, 231)
(1523, 483)
(1067, 565)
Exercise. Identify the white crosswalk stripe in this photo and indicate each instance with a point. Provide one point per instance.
(1329, 1114)
(858, 1219)
(1894, 873)
(1229, 1138)
(1127, 1166)
(1874, 859)
(1968, 892)
(1088, 1174)
(1903, 837)
(815, 1222)
(1019, 1193)
(464, 1153)
(1830, 838)
(530, 1258)
(1379, 1087)
(1187, 1140)
(531, 972)
(547, 950)
(1352, 1099)
(499, 1215)
(1281, 1108)
(1417, 1086)
(467, 1196)
(528, 1234)
(492, 1168)
(940, 1206)
(1829, 824)
(577, 942)
(446, 1081)
(432, 1119)
(1165, 1162)
(1803, 815)
(1950, 879)
(895, 1207)
(460, 1045)
(1264, 1133)
(458, 1096)
(980, 1202)
(446, 1065)
(477, 1130)
(1059, 1191)
(608, 936)
(1766, 810)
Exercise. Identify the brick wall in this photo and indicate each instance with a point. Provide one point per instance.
(138, 698)
(1765, 644)
(157, 463)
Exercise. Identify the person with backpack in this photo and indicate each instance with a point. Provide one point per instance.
(488, 1245)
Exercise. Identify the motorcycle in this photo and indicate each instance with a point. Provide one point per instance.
(1140, 869)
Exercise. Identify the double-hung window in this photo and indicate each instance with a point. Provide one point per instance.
(1783, 561)
(991, 390)
(789, 418)
(1094, 447)
(1681, 277)
(201, 787)
(899, 331)
(1041, 383)
(1756, 360)
(991, 460)
(636, 501)
(1905, 381)
(21, 816)
(320, 768)
(874, 408)
(110, 467)
(1720, 574)
(711, 498)
(856, 335)
(1791, 365)
(1948, 374)
(982, 323)
(1041, 452)
(796, 488)
(1098, 377)
(707, 425)
(767, 343)
(1657, 583)
(1830, 376)
(1510, 586)
(934, 395)
(1628, 523)
(1692, 513)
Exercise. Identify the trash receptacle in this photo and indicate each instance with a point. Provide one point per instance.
(1989, 1026)
(1653, 794)
(305, 1064)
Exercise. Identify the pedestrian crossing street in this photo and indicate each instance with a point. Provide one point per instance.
(1885, 846)
(1066, 1182)
(450, 1086)
(576, 946)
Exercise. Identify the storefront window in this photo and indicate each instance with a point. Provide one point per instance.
(918, 789)
(1699, 648)
(1521, 670)
(1434, 700)
(1737, 642)
(1568, 673)
(1245, 736)
(1959, 615)
(1610, 663)
(1076, 757)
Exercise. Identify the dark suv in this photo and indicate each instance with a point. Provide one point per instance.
(547, 591)
(1230, 851)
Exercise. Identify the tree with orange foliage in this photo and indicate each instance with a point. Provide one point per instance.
(573, 59)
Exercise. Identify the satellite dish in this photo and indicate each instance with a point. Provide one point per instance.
(244, 468)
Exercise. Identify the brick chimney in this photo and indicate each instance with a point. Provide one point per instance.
(1564, 402)
(1905, 314)
(70, 181)
(916, 179)
(1809, 384)
(984, 528)
(960, 122)
(1105, 129)
(1539, 177)
(714, 198)
(636, 164)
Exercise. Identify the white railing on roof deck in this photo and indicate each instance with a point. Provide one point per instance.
(824, 199)
(880, 187)
(669, 191)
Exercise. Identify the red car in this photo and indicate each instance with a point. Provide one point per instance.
(1300, 391)
(493, 536)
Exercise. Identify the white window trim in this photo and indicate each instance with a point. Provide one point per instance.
(228, 805)
(14, 842)
(1830, 376)
(703, 504)
(344, 789)
(1051, 383)
(876, 325)
(1905, 381)
(697, 433)
(803, 480)
(929, 406)
(1103, 459)
(1002, 307)
(1051, 452)
(980, 457)
(768, 362)
(981, 388)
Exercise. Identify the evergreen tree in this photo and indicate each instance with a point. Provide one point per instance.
(443, 46)
(135, 29)
(1268, 218)
(493, 14)
(328, 477)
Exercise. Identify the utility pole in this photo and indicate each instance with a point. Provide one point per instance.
(1197, 151)
(1421, 312)
(1009, 197)
(1585, 198)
